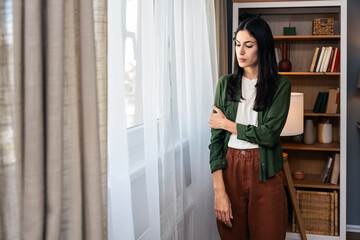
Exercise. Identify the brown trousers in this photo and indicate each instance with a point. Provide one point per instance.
(259, 208)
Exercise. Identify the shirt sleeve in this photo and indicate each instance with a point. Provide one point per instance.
(268, 133)
(217, 140)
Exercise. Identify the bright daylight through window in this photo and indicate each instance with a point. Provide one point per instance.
(132, 76)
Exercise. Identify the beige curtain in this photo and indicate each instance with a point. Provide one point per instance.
(221, 36)
(59, 122)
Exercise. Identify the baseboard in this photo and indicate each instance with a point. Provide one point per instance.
(353, 228)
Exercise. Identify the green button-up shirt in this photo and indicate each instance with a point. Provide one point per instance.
(267, 134)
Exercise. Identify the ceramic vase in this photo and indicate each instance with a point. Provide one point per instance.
(309, 136)
(325, 132)
(284, 64)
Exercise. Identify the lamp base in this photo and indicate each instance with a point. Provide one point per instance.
(297, 138)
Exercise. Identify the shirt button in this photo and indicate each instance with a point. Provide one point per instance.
(243, 152)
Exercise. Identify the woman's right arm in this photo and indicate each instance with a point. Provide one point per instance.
(222, 203)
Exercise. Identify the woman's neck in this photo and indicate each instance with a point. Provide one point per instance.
(251, 72)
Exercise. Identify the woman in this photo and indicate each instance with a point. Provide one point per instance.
(250, 111)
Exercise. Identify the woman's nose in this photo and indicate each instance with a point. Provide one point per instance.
(241, 50)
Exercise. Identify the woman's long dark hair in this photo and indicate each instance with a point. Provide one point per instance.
(267, 82)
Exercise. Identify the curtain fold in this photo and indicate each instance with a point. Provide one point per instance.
(59, 121)
(53, 92)
(120, 214)
(221, 37)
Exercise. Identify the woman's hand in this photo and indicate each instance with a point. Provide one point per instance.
(218, 119)
(222, 207)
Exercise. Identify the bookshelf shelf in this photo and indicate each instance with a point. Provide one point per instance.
(307, 38)
(334, 146)
(313, 181)
(310, 113)
(310, 73)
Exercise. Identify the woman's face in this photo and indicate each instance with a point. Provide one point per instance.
(246, 49)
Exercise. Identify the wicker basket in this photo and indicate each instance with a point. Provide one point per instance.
(323, 26)
(319, 212)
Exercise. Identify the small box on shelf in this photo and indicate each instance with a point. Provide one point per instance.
(323, 26)
(289, 31)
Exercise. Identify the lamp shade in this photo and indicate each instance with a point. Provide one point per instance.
(295, 120)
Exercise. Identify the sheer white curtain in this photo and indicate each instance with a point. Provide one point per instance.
(160, 185)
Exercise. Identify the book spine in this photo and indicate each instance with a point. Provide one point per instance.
(314, 59)
(317, 103)
(330, 60)
(324, 103)
(320, 59)
(336, 171)
(326, 60)
(331, 169)
(337, 61)
(337, 107)
(334, 59)
(330, 108)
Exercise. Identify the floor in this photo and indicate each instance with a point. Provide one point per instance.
(352, 236)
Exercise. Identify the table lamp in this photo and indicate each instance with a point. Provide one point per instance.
(295, 120)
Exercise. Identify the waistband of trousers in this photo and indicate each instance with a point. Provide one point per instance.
(243, 152)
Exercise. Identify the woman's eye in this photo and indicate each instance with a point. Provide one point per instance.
(249, 46)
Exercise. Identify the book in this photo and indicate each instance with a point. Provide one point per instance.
(317, 103)
(326, 60)
(337, 61)
(323, 62)
(320, 59)
(331, 108)
(324, 102)
(337, 103)
(330, 60)
(330, 170)
(336, 170)
(334, 58)
(326, 169)
(314, 59)
(317, 60)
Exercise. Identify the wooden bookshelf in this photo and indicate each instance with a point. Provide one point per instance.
(307, 38)
(313, 181)
(239, 1)
(334, 146)
(310, 73)
(310, 113)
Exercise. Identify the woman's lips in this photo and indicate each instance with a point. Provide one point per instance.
(241, 59)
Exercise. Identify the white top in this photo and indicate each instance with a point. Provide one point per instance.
(245, 114)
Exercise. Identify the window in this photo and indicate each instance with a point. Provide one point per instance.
(7, 152)
(132, 77)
